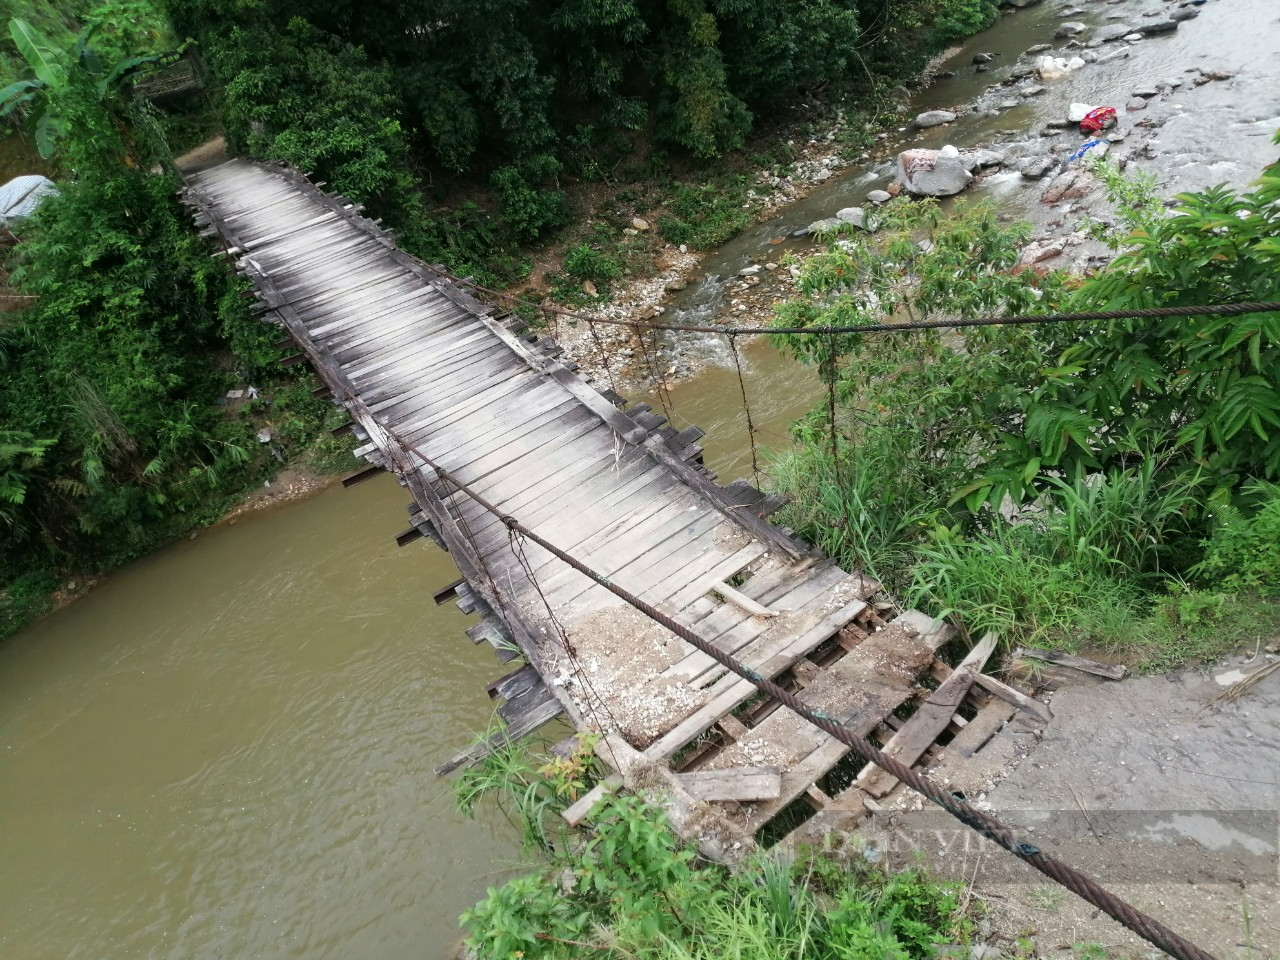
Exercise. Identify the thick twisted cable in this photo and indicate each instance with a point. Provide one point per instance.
(1000, 833)
(1133, 313)
(1146, 927)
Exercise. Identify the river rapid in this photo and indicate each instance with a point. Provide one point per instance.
(226, 748)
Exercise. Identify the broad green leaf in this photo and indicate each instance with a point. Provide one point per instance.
(48, 129)
(39, 52)
(13, 89)
(122, 69)
(17, 98)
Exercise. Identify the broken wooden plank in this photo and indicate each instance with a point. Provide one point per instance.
(1007, 693)
(576, 812)
(1112, 671)
(742, 784)
(742, 600)
(919, 732)
(527, 723)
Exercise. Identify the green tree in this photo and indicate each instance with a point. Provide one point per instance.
(1201, 394)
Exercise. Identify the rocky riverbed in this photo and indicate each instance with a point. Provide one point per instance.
(1195, 101)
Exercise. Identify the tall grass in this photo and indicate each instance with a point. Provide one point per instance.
(869, 517)
(1123, 523)
(1101, 564)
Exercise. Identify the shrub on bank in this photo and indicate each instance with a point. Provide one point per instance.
(627, 887)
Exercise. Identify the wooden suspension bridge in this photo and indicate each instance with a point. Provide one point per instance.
(431, 376)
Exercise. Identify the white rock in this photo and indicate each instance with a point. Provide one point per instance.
(949, 151)
(1078, 111)
(879, 196)
(638, 224)
(929, 173)
(854, 215)
(750, 271)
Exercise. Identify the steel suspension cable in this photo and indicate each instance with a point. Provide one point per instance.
(988, 826)
(1133, 313)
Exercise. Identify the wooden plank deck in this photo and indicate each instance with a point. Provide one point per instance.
(426, 371)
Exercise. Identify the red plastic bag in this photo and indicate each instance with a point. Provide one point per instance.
(1095, 121)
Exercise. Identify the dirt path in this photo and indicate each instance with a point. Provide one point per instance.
(208, 154)
(1167, 800)
(1158, 788)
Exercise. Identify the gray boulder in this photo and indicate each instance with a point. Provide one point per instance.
(1035, 168)
(1137, 103)
(879, 196)
(820, 226)
(1072, 28)
(1039, 48)
(1112, 31)
(1184, 13)
(981, 159)
(1020, 4)
(932, 118)
(855, 215)
(1160, 26)
(931, 173)
(983, 57)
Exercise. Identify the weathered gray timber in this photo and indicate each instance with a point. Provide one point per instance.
(427, 373)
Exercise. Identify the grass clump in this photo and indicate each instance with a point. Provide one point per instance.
(630, 888)
(704, 215)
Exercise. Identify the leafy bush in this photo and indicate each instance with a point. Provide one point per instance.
(1243, 552)
(631, 888)
(528, 206)
(1052, 485)
(1203, 392)
(957, 19)
(23, 599)
(317, 102)
(706, 214)
(587, 263)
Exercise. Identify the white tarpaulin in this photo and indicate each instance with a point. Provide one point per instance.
(21, 195)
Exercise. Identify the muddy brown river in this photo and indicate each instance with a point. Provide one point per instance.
(226, 749)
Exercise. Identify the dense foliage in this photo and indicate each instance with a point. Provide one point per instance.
(630, 888)
(111, 436)
(513, 94)
(1049, 483)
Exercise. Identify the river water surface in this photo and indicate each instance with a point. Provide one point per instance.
(226, 749)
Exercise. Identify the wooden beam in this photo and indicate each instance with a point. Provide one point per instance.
(577, 811)
(360, 476)
(742, 600)
(448, 592)
(733, 728)
(743, 784)
(408, 536)
(527, 723)
(917, 734)
(1007, 693)
(1112, 671)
